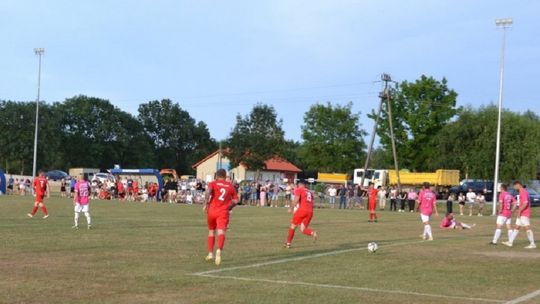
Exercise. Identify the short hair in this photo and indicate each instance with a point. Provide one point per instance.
(504, 187)
(518, 183)
(221, 173)
(371, 184)
(426, 185)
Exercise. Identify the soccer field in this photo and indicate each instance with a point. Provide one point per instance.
(154, 253)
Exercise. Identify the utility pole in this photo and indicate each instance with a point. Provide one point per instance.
(384, 98)
(504, 24)
(39, 52)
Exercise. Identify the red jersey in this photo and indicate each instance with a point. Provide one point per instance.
(305, 199)
(222, 194)
(40, 185)
(373, 194)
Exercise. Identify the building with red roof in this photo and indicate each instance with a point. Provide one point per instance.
(276, 169)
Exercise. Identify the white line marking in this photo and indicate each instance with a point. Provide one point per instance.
(300, 258)
(352, 288)
(525, 297)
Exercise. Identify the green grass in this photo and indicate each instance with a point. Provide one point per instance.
(147, 253)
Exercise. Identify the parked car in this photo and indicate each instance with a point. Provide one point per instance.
(103, 177)
(535, 196)
(477, 186)
(56, 175)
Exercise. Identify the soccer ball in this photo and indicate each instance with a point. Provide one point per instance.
(372, 247)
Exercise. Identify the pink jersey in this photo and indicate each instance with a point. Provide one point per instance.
(447, 222)
(82, 190)
(507, 200)
(524, 198)
(427, 201)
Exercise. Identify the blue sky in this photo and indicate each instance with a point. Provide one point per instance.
(219, 58)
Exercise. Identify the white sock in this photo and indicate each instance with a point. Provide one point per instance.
(428, 229)
(425, 230)
(510, 231)
(497, 235)
(88, 219)
(76, 219)
(530, 236)
(513, 236)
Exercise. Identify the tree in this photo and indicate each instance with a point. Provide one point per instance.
(333, 139)
(420, 110)
(97, 134)
(256, 138)
(178, 139)
(468, 144)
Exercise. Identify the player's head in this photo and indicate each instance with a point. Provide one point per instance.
(504, 187)
(221, 174)
(41, 173)
(300, 184)
(518, 185)
(371, 184)
(426, 185)
(449, 215)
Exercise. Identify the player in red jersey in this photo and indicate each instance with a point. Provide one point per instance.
(303, 213)
(372, 202)
(221, 198)
(41, 188)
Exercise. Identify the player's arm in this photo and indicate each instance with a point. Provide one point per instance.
(435, 207)
(207, 197)
(522, 206)
(234, 201)
(294, 203)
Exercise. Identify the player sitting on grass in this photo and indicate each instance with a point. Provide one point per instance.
(221, 198)
(302, 209)
(506, 203)
(449, 222)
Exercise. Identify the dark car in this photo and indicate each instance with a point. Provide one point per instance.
(56, 175)
(535, 196)
(477, 186)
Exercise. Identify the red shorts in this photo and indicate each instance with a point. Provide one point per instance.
(372, 205)
(218, 219)
(302, 217)
(39, 198)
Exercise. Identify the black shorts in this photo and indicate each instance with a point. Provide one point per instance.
(288, 197)
(63, 189)
(462, 203)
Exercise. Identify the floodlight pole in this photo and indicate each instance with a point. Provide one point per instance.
(39, 52)
(504, 24)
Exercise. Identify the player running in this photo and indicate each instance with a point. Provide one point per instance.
(372, 202)
(506, 203)
(523, 216)
(302, 209)
(81, 201)
(221, 198)
(41, 188)
(427, 202)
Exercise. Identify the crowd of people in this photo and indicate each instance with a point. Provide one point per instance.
(18, 186)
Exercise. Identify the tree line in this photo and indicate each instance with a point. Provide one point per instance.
(431, 133)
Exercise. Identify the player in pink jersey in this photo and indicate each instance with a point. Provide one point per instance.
(427, 202)
(82, 201)
(449, 222)
(523, 216)
(506, 203)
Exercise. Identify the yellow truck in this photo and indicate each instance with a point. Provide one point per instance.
(441, 178)
(332, 178)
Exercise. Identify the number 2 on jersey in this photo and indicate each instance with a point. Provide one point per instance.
(222, 192)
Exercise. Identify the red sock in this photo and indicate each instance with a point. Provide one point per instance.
(34, 210)
(290, 236)
(211, 243)
(375, 215)
(308, 231)
(221, 241)
(370, 216)
(44, 209)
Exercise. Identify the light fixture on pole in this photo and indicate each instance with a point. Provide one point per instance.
(504, 24)
(39, 52)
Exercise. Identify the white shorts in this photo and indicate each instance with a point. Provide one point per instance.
(452, 225)
(172, 192)
(81, 208)
(503, 220)
(523, 221)
(425, 218)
